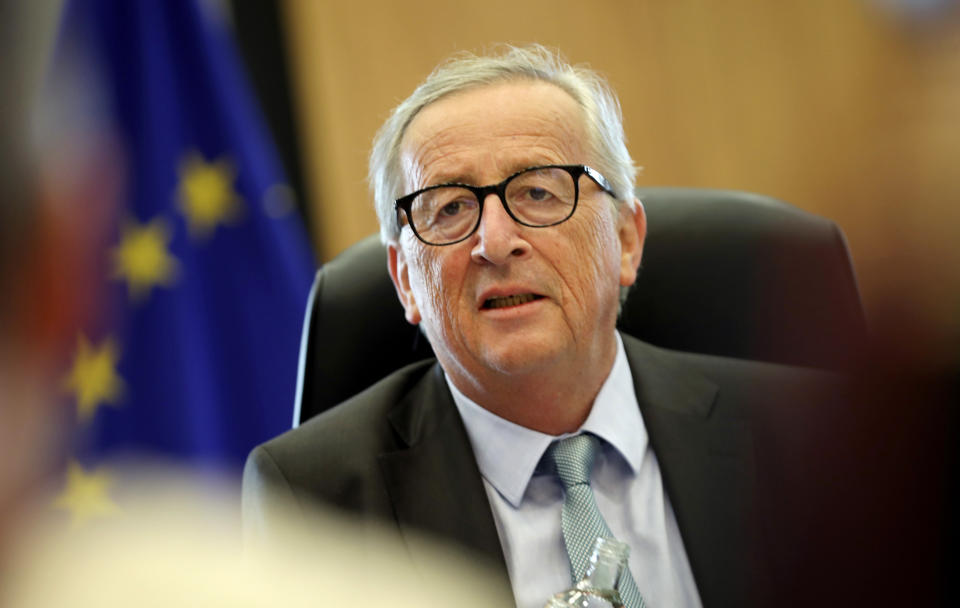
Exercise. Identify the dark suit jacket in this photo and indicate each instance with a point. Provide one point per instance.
(398, 452)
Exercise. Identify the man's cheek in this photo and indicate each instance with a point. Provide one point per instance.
(429, 295)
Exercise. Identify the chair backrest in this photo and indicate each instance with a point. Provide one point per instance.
(723, 272)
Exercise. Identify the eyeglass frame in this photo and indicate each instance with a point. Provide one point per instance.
(482, 192)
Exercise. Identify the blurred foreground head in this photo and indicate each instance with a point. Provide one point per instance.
(26, 329)
(176, 544)
(55, 193)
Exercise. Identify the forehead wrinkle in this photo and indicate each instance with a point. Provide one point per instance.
(444, 159)
(492, 141)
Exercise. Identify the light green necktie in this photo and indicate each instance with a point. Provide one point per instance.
(581, 520)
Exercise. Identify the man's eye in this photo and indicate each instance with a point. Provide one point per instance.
(451, 209)
(538, 195)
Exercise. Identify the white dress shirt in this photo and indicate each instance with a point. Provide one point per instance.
(526, 497)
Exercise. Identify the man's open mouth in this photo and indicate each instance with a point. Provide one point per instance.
(514, 300)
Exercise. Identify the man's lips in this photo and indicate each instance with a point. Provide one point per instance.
(511, 300)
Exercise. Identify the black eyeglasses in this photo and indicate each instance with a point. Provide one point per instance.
(537, 197)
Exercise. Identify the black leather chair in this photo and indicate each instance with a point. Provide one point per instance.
(723, 272)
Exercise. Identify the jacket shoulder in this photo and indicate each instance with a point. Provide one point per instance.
(332, 457)
(726, 369)
(358, 420)
(741, 386)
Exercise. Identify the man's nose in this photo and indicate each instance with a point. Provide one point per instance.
(499, 237)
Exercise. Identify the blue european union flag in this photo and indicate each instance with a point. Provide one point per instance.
(206, 266)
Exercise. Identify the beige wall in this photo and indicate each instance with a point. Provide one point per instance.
(828, 104)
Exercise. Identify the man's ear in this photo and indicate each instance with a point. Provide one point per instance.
(632, 229)
(397, 265)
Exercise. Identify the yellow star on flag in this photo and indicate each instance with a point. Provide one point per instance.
(93, 378)
(206, 195)
(142, 258)
(86, 496)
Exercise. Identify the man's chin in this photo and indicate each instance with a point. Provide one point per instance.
(516, 356)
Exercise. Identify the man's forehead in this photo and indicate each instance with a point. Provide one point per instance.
(493, 129)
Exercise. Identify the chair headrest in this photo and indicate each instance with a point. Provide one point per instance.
(723, 272)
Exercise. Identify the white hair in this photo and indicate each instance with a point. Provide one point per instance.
(589, 89)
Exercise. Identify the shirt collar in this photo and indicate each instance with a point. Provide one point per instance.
(507, 454)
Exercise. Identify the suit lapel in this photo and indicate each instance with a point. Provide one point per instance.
(433, 480)
(707, 468)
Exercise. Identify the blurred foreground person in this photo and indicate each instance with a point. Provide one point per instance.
(176, 544)
(36, 304)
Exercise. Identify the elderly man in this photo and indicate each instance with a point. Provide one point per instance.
(504, 191)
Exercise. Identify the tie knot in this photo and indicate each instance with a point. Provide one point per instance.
(573, 458)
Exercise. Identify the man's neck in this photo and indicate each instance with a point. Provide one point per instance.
(554, 401)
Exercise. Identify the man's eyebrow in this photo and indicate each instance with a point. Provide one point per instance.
(443, 179)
